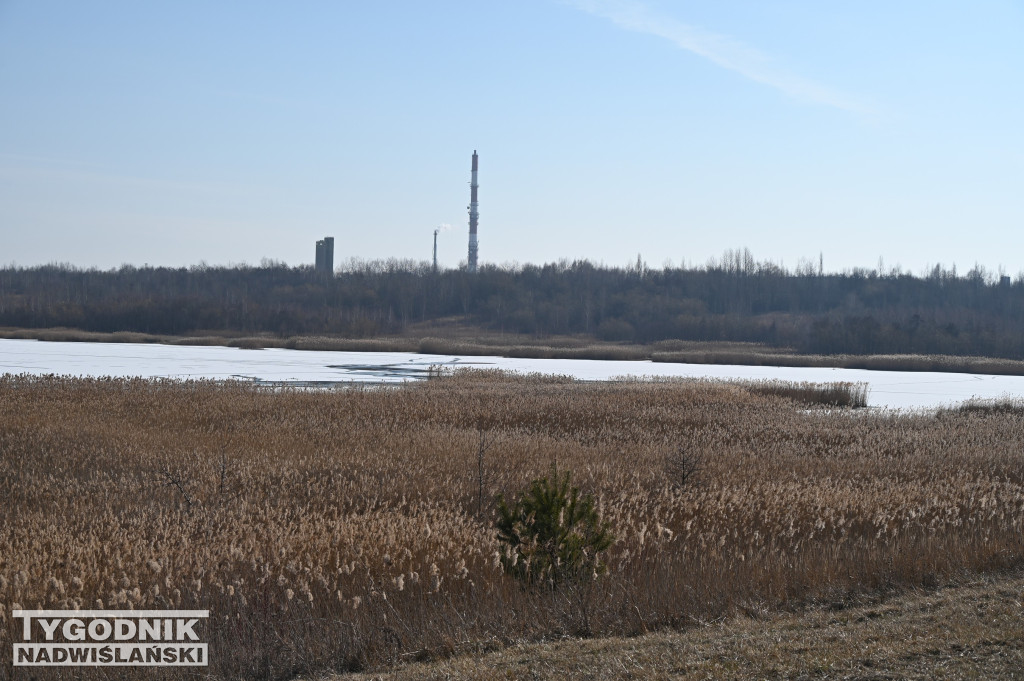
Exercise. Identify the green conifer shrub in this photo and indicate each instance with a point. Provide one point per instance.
(552, 534)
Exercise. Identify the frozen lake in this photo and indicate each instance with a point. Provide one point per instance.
(887, 389)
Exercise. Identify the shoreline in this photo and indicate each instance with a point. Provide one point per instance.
(674, 352)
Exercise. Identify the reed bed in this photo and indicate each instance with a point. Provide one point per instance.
(984, 407)
(782, 358)
(836, 394)
(353, 529)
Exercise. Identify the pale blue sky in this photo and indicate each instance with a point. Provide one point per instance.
(184, 131)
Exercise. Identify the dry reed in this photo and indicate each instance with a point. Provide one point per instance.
(342, 529)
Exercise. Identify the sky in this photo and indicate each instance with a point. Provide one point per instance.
(185, 132)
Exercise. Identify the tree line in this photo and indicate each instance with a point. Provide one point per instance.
(734, 299)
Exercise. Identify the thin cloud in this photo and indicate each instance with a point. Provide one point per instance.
(16, 166)
(721, 50)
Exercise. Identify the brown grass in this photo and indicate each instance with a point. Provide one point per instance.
(340, 530)
(838, 394)
(767, 357)
(985, 407)
(970, 631)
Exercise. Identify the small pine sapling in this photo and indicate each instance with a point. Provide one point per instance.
(552, 534)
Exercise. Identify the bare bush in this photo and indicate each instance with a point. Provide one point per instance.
(683, 466)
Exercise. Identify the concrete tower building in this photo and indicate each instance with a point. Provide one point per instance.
(325, 256)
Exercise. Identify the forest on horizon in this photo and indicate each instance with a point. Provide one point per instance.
(733, 299)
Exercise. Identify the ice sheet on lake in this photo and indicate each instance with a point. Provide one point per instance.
(890, 389)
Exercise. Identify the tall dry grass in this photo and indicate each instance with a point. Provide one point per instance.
(761, 356)
(344, 529)
(836, 394)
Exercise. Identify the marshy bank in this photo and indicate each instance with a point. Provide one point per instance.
(342, 530)
(473, 344)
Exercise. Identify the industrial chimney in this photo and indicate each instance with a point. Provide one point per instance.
(474, 216)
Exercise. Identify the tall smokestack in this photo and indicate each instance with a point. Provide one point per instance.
(474, 216)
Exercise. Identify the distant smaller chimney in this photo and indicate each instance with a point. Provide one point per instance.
(325, 256)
